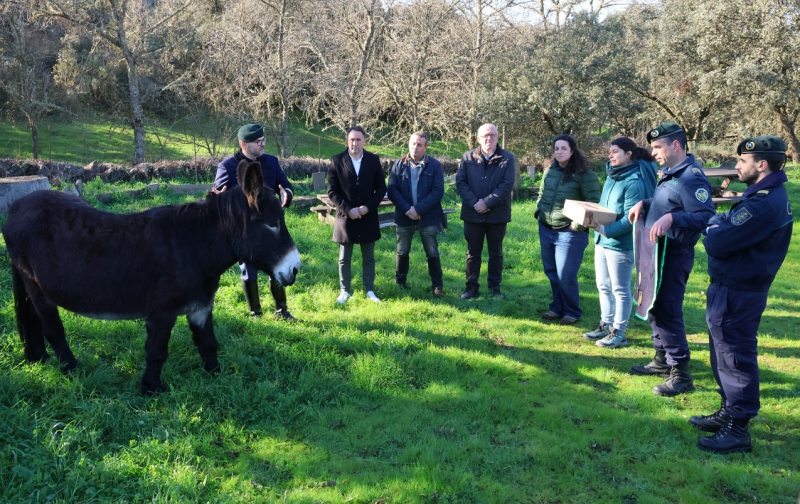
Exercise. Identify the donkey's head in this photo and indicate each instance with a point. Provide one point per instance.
(266, 243)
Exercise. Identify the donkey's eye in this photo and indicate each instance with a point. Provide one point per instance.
(273, 226)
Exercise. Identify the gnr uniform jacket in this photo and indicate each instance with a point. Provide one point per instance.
(750, 243)
(270, 170)
(684, 192)
(348, 190)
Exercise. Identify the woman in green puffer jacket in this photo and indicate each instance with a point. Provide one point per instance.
(631, 178)
(562, 241)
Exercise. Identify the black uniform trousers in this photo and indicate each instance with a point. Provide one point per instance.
(666, 316)
(733, 316)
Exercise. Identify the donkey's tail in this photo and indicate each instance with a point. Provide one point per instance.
(29, 324)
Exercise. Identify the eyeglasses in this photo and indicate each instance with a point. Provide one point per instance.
(489, 135)
(260, 142)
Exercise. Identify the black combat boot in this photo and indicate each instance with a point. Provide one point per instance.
(732, 438)
(679, 381)
(656, 367)
(250, 288)
(712, 422)
(279, 294)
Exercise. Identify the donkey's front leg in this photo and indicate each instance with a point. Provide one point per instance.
(202, 325)
(159, 328)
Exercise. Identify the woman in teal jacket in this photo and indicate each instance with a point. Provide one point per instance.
(563, 241)
(631, 178)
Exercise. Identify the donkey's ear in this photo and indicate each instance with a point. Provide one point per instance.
(251, 180)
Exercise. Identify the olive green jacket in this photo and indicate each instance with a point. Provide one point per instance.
(553, 192)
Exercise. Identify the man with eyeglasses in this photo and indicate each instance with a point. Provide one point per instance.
(251, 141)
(484, 181)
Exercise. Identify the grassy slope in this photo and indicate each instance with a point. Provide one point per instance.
(413, 400)
(103, 141)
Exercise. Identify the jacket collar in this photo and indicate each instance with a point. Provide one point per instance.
(496, 157)
(773, 179)
(407, 157)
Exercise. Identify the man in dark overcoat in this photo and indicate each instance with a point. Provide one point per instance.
(251, 143)
(356, 186)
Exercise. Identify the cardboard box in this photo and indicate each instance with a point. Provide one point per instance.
(584, 212)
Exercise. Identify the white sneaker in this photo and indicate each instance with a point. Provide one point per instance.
(372, 297)
(343, 297)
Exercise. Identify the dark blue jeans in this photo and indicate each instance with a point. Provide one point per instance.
(430, 243)
(562, 255)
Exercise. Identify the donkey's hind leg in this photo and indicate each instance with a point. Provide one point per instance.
(28, 323)
(202, 325)
(51, 326)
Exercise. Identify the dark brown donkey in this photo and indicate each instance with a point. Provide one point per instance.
(155, 265)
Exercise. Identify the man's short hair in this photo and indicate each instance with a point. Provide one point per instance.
(420, 134)
(356, 128)
(775, 161)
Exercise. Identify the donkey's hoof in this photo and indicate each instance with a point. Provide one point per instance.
(212, 366)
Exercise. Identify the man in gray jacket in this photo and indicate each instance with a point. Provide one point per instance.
(416, 187)
(484, 181)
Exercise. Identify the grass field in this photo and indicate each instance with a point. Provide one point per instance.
(96, 139)
(412, 400)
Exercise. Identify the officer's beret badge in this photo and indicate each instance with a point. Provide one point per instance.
(654, 133)
(701, 195)
(750, 145)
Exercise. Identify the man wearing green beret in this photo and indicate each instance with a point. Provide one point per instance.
(678, 211)
(746, 246)
(251, 142)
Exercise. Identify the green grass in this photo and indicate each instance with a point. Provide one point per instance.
(93, 139)
(413, 400)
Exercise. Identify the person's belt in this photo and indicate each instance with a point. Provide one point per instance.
(744, 286)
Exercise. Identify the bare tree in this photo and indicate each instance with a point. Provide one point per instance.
(344, 37)
(418, 72)
(29, 47)
(135, 28)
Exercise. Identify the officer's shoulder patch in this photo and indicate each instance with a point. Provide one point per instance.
(788, 208)
(701, 195)
(697, 170)
(740, 217)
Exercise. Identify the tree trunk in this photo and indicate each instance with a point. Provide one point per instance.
(136, 108)
(34, 135)
(787, 127)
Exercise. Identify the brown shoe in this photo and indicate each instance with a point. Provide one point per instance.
(567, 321)
(438, 292)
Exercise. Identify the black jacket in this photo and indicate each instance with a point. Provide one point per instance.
(492, 181)
(430, 190)
(348, 190)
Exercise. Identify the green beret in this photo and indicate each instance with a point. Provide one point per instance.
(663, 130)
(766, 144)
(250, 132)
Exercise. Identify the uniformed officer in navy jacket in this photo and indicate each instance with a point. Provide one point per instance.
(679, 210)
(746, 246)
(251, 141)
